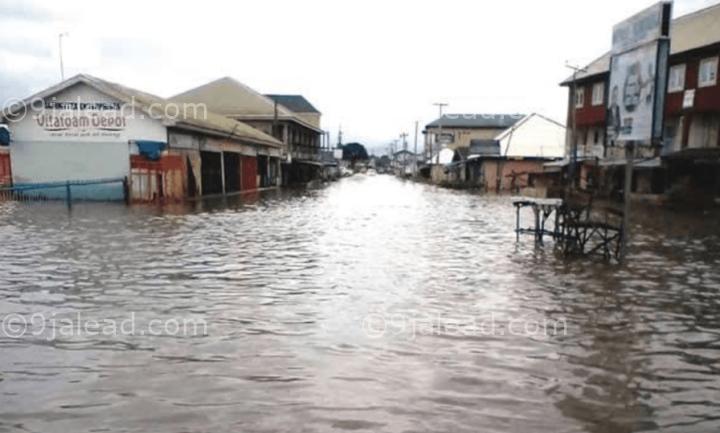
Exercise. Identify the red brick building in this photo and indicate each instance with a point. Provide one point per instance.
(690, 153)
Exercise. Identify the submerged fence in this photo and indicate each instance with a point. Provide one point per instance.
(109, 189)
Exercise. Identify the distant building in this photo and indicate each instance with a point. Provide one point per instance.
(458, 130)
(523, 149)
(690, 152)
(504, 161)
(300, 106)
(404, 163)
(296, 124)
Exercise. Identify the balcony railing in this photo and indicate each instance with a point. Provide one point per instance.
(306, 152)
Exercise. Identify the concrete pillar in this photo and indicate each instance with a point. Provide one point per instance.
(222, 170)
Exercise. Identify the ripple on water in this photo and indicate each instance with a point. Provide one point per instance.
(286, 283)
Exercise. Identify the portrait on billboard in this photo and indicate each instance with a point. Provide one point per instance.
(632, 94)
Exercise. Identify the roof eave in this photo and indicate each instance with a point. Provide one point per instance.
(187, 126)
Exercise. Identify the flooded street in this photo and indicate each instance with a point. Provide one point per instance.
(371, 305)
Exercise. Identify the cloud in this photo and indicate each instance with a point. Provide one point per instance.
(23, 10)
(25, 47)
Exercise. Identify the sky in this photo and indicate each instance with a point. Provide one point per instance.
(372, 67)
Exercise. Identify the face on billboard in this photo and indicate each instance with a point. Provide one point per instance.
(632, 93)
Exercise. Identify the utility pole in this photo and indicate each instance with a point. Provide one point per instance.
(403, 137)
(60, 45)
(627, 192)
(440, 106)
(573, 123)
(416, 150)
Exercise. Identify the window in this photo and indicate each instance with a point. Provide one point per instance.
(445, 138)
(598, 95)
(580, 97)
(676, 80)
(704, 131)
(708, 72)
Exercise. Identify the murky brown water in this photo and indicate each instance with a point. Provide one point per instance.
(372, 305)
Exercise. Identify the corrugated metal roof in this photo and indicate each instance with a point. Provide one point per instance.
(489, 121)
(295, 103)
(688, 32)
(230, 97)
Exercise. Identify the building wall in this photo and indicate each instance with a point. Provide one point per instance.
(191, 145)
(161, 180)
(534, 137)
(248, 173)
(509, 174)
(462, 136)
(41, 153)
(311, 118)
(685, 127)
(5, 168)
(590, 114)
(301, 142)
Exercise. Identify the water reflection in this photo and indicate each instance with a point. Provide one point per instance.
(286, 281)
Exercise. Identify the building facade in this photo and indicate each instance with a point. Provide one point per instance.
(299, 132)
(88, 129)
(493, 157)
(456, 131)
(688, 159)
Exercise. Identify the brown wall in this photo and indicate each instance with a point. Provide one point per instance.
(492, 169)
(5, 170)
(161, 180)
(589, 114)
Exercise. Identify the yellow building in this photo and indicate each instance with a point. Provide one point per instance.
(456, 131)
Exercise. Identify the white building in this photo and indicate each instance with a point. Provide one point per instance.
(87, 129)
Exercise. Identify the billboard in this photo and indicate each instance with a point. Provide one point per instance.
(642, 28)
(638, 76)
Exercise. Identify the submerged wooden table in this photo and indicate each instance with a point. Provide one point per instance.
(543, 210)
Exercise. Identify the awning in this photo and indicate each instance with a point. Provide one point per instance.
(695, 154)
(637, 163)
(150, 149)
(557, 164)
(4, 135)
(308, 162)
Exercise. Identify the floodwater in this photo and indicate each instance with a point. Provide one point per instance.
(371, 305)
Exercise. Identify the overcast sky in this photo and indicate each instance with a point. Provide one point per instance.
(374, 67)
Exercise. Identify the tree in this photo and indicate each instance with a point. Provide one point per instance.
(354, 152)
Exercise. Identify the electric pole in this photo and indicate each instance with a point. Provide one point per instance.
(416, 151)
(60, 45)
(440, 106)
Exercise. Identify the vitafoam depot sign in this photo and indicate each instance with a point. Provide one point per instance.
(638, 75)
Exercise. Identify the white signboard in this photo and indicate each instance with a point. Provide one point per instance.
(631, 94)
(84, 119)
(638, 75)
(689, 98)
